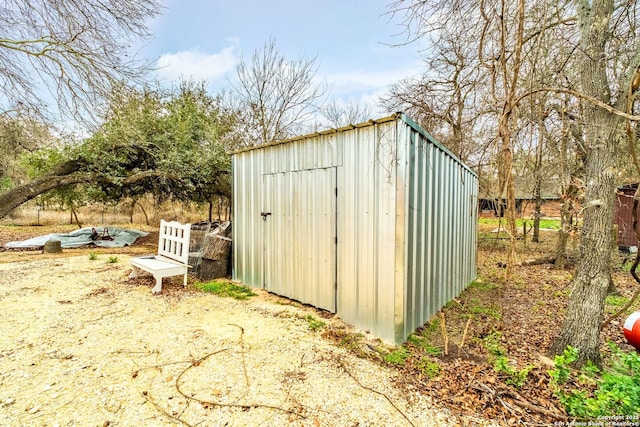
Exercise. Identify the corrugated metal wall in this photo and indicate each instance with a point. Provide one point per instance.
(367, 217)
(440, 238)
(405, 221)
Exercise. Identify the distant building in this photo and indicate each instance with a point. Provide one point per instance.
(624, 216)
(490, 207)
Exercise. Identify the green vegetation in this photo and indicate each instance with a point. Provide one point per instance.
(553, 224)
(566, 292)
(482, 285)
(397, 357)
(181, 135)
(313, 323)
(93, 256)
(112, 259)
(5, 183)
(225, 288)
(501, 363)
(616, 300)
(422, 342)
(351, 342)
(476, 307)
(592, 392)
(433, 325)
(428, 368)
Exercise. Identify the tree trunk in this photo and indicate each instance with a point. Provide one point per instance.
(537, 188)
(17, 196)
(131, 208)
(566, 208)
(563, 233)
(144, 213)
(65, 174)
(510, 83)
(582, 324)
(75, 216)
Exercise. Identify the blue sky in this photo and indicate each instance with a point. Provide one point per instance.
(204, 39)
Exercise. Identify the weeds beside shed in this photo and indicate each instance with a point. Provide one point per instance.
(375, 222)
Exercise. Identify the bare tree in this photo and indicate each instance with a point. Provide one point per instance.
(486, 38)
(446, 98)
(274, 96)
(345, 113)
(596, 63)
(72, 49)
(606, 78)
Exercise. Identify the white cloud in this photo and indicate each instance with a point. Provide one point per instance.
(365, 87)
(358, 81)
(197, 65)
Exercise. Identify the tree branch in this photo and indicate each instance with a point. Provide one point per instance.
(586, 97)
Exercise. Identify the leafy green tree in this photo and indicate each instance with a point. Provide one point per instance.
(169, 143)
(19, 135)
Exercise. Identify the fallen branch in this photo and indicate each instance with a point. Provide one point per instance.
(623, 309)
(164, 412)
(539, 261)
(344, 368)
(144, 368)
(535, 408)
(198, 362)
(244, 365)
(517, 399)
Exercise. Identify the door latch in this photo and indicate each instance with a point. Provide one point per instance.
(265, 215)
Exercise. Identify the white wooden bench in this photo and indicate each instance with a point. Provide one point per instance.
(172, 258)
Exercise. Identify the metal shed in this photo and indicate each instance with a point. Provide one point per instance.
(375, 222)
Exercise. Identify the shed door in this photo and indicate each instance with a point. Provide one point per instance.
(299, 217)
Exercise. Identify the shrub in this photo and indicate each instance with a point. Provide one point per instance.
(617, 386)
(501, 364)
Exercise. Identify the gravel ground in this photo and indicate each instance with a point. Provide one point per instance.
(82, 345)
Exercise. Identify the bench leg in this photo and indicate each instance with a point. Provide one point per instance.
(184, 282)
(158, 287)
(134, 272)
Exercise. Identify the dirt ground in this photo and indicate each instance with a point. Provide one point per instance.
(83, 345)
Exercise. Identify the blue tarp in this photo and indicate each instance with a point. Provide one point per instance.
(121, 237)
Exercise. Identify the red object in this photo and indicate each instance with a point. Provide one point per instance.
(631, 329)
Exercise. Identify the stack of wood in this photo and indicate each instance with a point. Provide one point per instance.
(216, 253)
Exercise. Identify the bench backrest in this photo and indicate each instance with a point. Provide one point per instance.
(174, 241)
